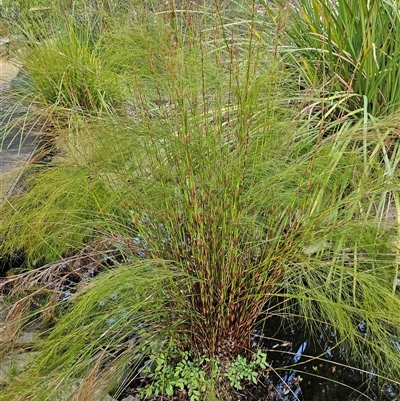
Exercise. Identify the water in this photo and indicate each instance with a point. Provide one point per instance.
(321, 369)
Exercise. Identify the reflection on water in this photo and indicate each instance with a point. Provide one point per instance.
(300, 352)
(320, 368)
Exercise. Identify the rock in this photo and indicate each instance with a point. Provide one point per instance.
(26, 338)
(5, 46)
(108, 398)
(131, 398)
(22, 82)
(67, 393)
(5, 40)
(14, 364)
(7, 71)
(3, 316)
(3, 311)
(34, 327)
(97, 396)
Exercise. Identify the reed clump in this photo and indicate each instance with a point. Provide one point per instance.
(206, 204)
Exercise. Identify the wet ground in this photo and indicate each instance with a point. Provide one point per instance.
(15, 148)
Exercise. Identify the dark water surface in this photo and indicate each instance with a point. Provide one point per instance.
(319, 367)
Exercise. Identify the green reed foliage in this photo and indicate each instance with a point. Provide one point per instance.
(349, 47)
(238, 212)
(57, 214)
(118, 326)
(65, 68)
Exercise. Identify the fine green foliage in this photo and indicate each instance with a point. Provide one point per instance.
(117, 325)
(234, 210)
(50, 221)
(347, 48)
(66, 71)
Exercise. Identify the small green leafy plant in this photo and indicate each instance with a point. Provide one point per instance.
(190, 375)
(243, 370)
(186, 374)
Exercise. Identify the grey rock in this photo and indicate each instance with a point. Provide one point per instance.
(67, 393)
(5, 40)
(2, 329)
(3, 311)
(14, 364)
(5, 46)
(34, 327)
(3, 316)
(97, 396)
(26, 338)
(22, 82)
(108, 398)
(131, 398)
